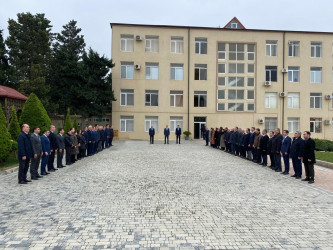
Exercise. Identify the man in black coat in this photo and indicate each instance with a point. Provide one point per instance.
(166, 134)
(263, 147)
(269, 149)
(37, 153)
(178, 133)
(61, 147)
(276, 149)
(69, 145)
(296, 154)
(54, 146)
(309, 158)
(25, 153)
(111, 136)
(151, 134)
(251, 142)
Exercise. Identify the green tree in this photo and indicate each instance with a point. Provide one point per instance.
(14, 126)
(75, 125)
(34, 113)
(68, 122)
(4, 65)
(29, 44)
(5, 143)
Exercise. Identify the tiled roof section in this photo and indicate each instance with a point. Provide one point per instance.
(235, 19)
(11, 93)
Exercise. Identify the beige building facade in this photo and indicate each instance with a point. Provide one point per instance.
(231, 76)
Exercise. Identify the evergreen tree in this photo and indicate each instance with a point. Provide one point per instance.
(34, 113)
(4, 65)
(14, 126)
(68, 122)
(75, 125)
(5, 143)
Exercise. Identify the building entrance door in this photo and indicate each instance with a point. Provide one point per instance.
(199, 122)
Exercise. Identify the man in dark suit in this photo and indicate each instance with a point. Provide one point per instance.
(207, 136)
(25, 153)
(263, 147)
(61, 148)
(111, 136)
(107, 135)
(276, 149)
(151, 134)
(69, 145)
(251, 142)
(246, 144)
(269, 149)
(285, 151)
(296, 154)
(166, 134)
(46, 147)
(178, 134)
(309, 158)
(54, 146)
(89, 139)
(37, 153)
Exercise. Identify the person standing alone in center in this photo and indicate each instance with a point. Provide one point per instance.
(151, 134)
(178, 134)
(166, 134)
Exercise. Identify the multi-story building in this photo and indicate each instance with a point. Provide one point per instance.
(198, 76)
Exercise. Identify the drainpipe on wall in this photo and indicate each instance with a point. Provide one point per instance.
(188, 79)
(283, 100)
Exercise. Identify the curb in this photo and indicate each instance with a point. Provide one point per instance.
(9, 171)
(324, 164)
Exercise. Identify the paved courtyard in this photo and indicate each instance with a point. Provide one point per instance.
(137, 195)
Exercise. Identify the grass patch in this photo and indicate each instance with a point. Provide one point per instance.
(325, 156)
(11, 162)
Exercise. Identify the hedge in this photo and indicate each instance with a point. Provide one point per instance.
(14, 126)
(5, 140)
(68, 122)
(324, 145)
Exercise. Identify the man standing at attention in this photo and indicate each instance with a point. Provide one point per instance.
(166, 134)
(46, 147)
(37, 151)
(151, 134)
(53, 144)
(276, 149)
(24, 154)
(309, 158)
(207, 136)
(285, 151)
(296, 154)
(69, 145)
(61, 148)
(178, 134)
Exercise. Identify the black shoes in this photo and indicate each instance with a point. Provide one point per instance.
(278, 170)
(285, 173)
(23, 182)
(306, 179)
(27, 180)
(298, 177)
(60, 166)
(34, 178)
(51, 170)
(293, 175)
(311, 181)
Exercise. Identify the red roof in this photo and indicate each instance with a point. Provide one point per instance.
(11, 93)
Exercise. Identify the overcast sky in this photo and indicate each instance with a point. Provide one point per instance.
(94, 17)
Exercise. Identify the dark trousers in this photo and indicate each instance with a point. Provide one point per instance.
(50, 161)
(68, 155)
(82, 152)
(277, 160)
(151, 139)
(177, 139)
(264, 158)
(207, 141)
(103, 144)
(106, 142)
(309, 170)
(34, 166)
(271, 157)
(100, 145)
(253, 151)
(110, 141)
(72, 158)
(166, 139)
(297, 164)
(286, 163)
(23, 169)
(45, 159)
(60, 155)
(90, 148)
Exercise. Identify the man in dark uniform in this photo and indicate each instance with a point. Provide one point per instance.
(276, 149)
(107, 135)
(37, 151)
(285, 151)
(61, 148)
(46, 147)
(89, 139)
(151, 134)
(309, 157)
(263, 147)
(207, 136)
(296, 154)
(166, 134)
(178, 134)
(25, 153)
(251, 142)
(111, 136)
(54, 147)
(68, 145)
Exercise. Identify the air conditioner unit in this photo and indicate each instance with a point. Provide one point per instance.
(327, 122)
(267, 83)
(261, 121)
(328, 97)
(138, 38)
(137, 66)
(283, 94)
(284, 70)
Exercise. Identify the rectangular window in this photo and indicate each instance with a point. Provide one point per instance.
(174, 122)
(221, 94)
(250, 107)
(293, 124)
(293, 74)
(151, 121)
(201, 45)
(250, 68)
(200, 72)
(315, 125)
(152, 71)
(127, 43)
(221, 51)
(200, 98)
(315, 49)
(176, 98)
(293, 48)
(250, 94)
(151, 98)
(270, 100)
(235, 94)
(236, 68)
(315, 75)
(270, 123)
(250, 52)
(177, 71)
(221, 106)
(271, 73)
(221, 68)
(236, 107)
(177, 45)
(126, 123)
(293, 100)
(236, 51)
(221, 81)
(127, 70)
(152, 43)
(127, 97)
(236, 82)
(271, 48)
(315, 100)
(250, 82)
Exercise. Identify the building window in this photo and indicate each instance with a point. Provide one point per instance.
(152, 43)
(177, 71)
(177, 45)
(151, 98)
(250, 94)
(235, 94)
(250, 82)
(221, 106)
(221, 81)
(174, 122)
(221, 94)
(151, 121)
(271, 73)
(221, 68)
(271, 48)
(250, 68)
(221, 51)
(127, 97)
(176, 98)
(127, 70)
(127, 43)
(236, 106)
(315, 125)
(234, 25)
(200, 98)
(236, 68)
(250, 52)
(293, 100)
(293, 124)
(315, 75)
(293, 74)
(236, 51)
(270, 123)
(236, 81)
(152, 71)
(315, 49)
(200, 72)
(250, 107)
(200, 45)
(315, 100)
(270, 100)
(126, 123)
(293, 48)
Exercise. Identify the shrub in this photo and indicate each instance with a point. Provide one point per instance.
(14, 126)
(75, 125)
(324, 145)
(5, 145)
(68, 122)
(187, 133)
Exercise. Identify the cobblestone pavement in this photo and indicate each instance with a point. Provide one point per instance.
(137, 195)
